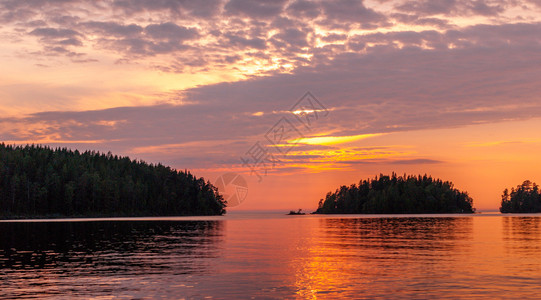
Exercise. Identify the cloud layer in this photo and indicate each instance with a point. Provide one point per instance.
(379, 67)
(244, 37)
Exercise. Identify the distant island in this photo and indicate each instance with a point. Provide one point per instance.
(397, 195)
(525, 198)
(37, 181)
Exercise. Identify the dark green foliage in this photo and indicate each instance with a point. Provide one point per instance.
(397, 195)
(39, 181)
(526, 198)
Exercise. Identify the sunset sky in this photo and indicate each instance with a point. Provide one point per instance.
(450, 88)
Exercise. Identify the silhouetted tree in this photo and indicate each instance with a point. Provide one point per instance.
(397, 194)
(525, 198)
(37, 181)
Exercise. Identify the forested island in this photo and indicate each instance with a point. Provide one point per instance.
(37, 181)
(525, 198)
(397, 195)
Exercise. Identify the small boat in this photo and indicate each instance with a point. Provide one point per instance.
(295, 213)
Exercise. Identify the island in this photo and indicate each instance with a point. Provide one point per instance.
(37, 182)
(525, 198)
(397, 195)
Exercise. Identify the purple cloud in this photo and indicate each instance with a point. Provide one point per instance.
(453, 7)
(170, 31)
(387, 89)
(255, 8)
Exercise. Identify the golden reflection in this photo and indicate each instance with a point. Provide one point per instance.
(352, 257)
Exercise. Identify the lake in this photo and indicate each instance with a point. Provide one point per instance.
(273, 256)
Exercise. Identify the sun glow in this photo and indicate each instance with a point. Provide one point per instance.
(333, 140)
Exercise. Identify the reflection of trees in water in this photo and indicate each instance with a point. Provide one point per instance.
(110, 247)
(423, 233)
(522, 234)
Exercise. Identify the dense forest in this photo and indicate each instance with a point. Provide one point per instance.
(525, 198)
(397, 195)
(40, 181)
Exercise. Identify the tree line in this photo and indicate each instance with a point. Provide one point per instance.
(41, 181)
(525, 198)
(395, 195)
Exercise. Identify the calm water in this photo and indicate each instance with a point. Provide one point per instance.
(262, 256)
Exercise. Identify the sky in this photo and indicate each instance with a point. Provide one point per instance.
(298, 97)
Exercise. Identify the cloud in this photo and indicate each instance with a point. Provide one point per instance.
(209, 36)
(374, 71)
(453, 7)
(113, 29)
(243, 42)
(292, 37)
(57, 39)
(304, 9)
(347, 13)
(54, 33)
(387, 89)
(255, 8)
(418, 161)
(414, 19)
(170, 31)
(535, 2)
(174, 8)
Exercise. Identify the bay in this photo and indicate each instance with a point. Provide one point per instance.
(267, 255)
